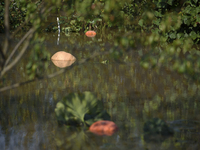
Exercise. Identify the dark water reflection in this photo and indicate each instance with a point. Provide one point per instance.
(131, 95)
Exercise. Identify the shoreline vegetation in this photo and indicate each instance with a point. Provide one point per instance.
(170, 28)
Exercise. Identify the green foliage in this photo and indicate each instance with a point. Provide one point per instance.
(77, 109)
(1, 16)
(173, 27)
(70, 25)
(157, 126)
(89, 14)
(174, 38)
(39, 58)
(16, 15)
(173, 19)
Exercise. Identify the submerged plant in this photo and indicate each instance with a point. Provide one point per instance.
(157, 126)
(78, 109)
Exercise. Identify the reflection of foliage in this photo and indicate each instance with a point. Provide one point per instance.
(75, 140)
(157, 126)
(78, 139)
(38, 61)
(78, 108)
(175, 29)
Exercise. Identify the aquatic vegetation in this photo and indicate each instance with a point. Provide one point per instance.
(171, 41)
(104, 127)
(79, 109)
(38, 60)
(166, 22)
(157, 126)
(63, 59)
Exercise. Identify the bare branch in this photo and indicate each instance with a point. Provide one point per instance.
(18, 29)
(18, 44)
(2, 54)
(6, 68)
(2, 61)
(7, 27)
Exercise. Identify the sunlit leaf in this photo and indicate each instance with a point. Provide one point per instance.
(80, 108)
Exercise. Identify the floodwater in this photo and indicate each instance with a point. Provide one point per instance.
(131, 95)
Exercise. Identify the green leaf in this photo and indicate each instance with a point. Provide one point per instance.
(179, 35)
(195, 1)
(141, 22)
(198, 18)
(79, 108)
(172, 35)
(193, 35)
(29, 65)
(156, 22)
(158, 14)
(170, 2)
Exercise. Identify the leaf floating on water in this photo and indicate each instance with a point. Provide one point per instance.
(63, 59)
(77, 109)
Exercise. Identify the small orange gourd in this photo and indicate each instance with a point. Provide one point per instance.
(90, 33)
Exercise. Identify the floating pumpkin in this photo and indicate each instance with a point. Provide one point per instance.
(63, 59)
(93, 6)
(104, 127)
(90, 33)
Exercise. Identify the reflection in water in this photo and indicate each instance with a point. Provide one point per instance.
(104, 127)
(58, 30)
(63, 63)
(131, 95)
(2, 140)
(63, 59)
(19, 139)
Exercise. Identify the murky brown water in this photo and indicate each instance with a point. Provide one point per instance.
(131, 95)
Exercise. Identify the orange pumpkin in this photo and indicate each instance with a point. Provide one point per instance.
(63, 59)
(90, 33)
(93, 6)
(104, 127)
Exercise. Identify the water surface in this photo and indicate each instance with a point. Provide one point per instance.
(131, 95)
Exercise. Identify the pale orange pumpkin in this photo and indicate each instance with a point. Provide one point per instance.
(104, 127)
(90, 33)
(63, 59)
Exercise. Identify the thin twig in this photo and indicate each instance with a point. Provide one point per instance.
(22, 40)
(3, 58)
(8, 67)
(18, 44)
(2, 54)
(25, 22)
(7, 27)
(19, 28)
